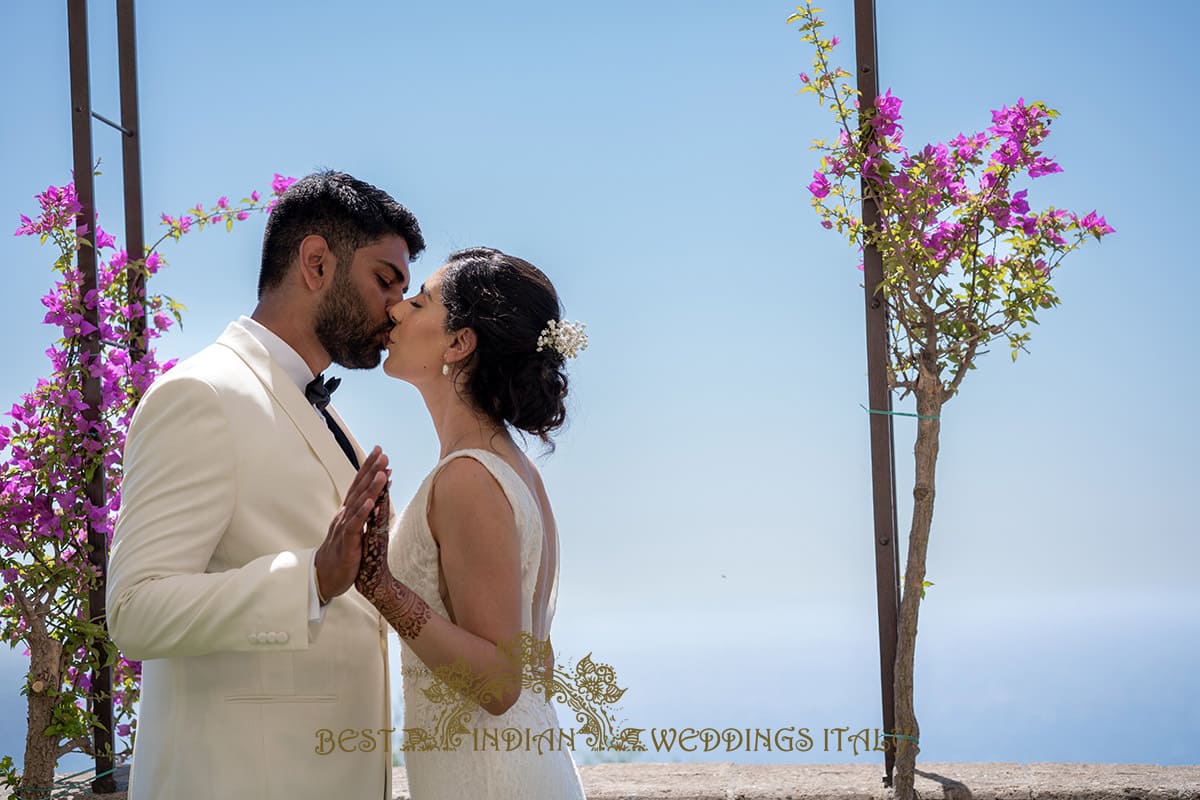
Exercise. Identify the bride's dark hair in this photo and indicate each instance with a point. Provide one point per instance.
(507, 302)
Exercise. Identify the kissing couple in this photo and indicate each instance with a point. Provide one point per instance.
(257, 565)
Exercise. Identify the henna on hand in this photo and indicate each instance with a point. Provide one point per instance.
(400, 606)
(373, 570)
(403, 609)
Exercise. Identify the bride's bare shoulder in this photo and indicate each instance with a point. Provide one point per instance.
(466, 497)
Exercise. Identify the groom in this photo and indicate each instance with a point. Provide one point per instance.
(222, 577)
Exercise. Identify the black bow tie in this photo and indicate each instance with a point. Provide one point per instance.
(318, 391)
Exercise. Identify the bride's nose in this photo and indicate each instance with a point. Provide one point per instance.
(394, 313)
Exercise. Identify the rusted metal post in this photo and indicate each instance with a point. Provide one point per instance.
(883, 462)
(131, 161)
(81, 134)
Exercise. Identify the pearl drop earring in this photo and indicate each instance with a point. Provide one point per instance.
(445, 369)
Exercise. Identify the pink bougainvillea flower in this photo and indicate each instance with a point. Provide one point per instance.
(223, 202)
(1043, 166)
(1019, 204)
(1094, 223)
(104, 240)
(280, 184)
(887, 108)
(820, 185)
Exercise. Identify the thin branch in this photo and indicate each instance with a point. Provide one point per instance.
(35, 624)
(82, 743)
(963, 366)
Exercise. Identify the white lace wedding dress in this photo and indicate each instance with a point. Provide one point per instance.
(485, 766)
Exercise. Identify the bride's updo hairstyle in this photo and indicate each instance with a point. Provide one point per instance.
(507, 302)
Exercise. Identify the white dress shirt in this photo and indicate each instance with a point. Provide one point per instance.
(295, 367)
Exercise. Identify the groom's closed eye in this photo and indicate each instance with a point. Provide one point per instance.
(392, 275)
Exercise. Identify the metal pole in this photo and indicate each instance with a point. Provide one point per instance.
(131, 161)
(81, 134)
(883, 469)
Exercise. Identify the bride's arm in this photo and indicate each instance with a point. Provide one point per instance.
(479, 548)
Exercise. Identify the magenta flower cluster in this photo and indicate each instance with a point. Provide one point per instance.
(965, 255)
(920, 192)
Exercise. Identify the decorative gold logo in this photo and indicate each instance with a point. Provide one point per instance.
(588, 690)
(456, 694)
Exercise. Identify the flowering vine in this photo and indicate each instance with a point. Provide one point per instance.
(49, 452)
(966, 261)
(965, 257)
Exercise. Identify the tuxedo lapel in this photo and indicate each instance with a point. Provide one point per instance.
(287, 395)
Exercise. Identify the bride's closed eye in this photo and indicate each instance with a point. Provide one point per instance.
(414, 304)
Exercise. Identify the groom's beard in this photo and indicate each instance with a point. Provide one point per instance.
(345, 330)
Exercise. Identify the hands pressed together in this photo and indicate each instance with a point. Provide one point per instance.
(354, 552)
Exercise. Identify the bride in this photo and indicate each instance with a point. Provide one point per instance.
(469, 574)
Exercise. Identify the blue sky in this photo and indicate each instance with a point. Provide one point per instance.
(711, 489)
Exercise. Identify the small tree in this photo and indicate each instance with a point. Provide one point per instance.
(49, 454)
(965, 262)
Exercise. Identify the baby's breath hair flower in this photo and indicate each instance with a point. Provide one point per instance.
(567, 338)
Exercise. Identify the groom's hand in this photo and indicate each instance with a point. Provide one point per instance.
(338, 556)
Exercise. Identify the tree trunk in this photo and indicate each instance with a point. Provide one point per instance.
(41, 751)
(929, 404)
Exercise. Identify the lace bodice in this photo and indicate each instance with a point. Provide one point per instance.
(467, 771)
(413, 553)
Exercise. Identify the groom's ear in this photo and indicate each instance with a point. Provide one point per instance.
(317, 262)
(461, 346)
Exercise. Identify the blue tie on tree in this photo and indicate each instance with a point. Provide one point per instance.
(318, 391)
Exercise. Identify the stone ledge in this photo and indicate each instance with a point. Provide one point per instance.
(949, 781)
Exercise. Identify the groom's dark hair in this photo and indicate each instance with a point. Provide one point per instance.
(347, 212)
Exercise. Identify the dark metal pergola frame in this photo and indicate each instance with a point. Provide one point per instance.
(883, 456)
(81, 133)
(883, 480)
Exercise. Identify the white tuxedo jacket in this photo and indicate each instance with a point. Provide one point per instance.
(231, 480)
